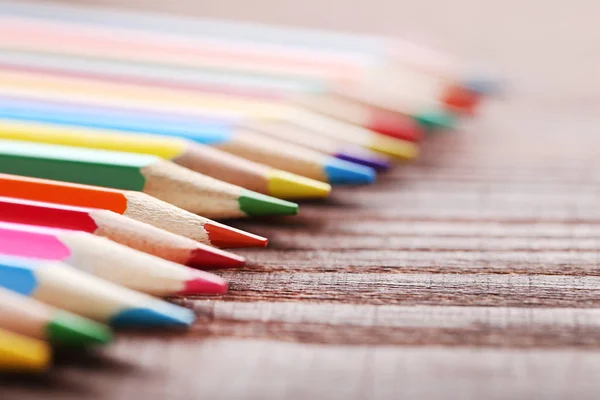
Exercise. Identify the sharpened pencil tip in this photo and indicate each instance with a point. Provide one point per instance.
(256, 204)
(157, 314)
(396, 148)
(342, 172)
(226, 237)
(34, 360)
(210, 257)
(396, 125)
(21, 353)
(285, 185)
(484, 83)
(371, 160)
(73, 331)
(461, 99)
(205, 283)
(437, 119)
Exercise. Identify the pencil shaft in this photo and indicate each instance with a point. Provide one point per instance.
(226, 77)
(42, 83)
(200, 52)
(102, 168)
(136, 205)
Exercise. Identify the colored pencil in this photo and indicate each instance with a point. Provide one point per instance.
(281, 42)
(169, 182)
(197, 157)
(20, 353)
(418, 97)
(37, 320)
(118, 228)
(114, 118)
(38, 82)
(356, 135)
(35, 33)
(316, 94)
(339, 148)
(61, 286)
(107, 260)
(43, 85)
(135, 205)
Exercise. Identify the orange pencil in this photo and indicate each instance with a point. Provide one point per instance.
(135, 205)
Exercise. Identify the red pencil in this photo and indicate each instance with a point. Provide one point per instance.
(132, 233)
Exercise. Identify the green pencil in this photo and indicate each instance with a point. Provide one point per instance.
(162, 179)
(32, 318)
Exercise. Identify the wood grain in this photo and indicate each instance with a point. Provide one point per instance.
(471, 274)
(389, 261)
(448, 289)
(353, 324)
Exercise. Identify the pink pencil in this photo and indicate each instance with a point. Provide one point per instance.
(108, 260)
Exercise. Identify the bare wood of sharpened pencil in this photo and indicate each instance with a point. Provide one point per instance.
(24, 315)
(349, 133)
(419, 90)
(352, 112)
(297, 135)
(144, 237)
(255, 146)
(226, 167)
(145, 208)
(191, 191)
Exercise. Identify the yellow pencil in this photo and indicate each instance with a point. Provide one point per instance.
(197, 157)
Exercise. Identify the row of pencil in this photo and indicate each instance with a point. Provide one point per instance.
(118, 142)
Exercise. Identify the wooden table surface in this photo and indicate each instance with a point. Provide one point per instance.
(472, 274)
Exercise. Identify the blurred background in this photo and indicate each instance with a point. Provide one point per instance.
(540, 45)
